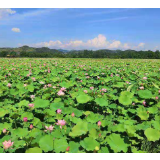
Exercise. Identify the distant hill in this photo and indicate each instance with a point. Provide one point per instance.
(44, 52)
(31, 49)
(48, 50)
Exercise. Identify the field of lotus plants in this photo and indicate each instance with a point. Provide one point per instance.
(79, 106)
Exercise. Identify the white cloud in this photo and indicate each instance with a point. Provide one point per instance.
(141, 44)
(50, 44)
(16, 30)
(99, 42)
(126, 46)
(115, 44)
(4, 12)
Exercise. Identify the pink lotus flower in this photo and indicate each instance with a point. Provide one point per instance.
(91, 88)
(99, 123)
(111, 75)
(159, 91)
(33, 78)
(133, 104)
(156, 98)
(49, 85)
(25, 119)
(9, 85)
(31, 126)
(81, 81)
(145, 78)
(63, 89)
(61, 93)
(144, 103)
(54, 87)
(50, 128)
(98, 77)
(41, 82)
(45, 86)
(61, 123)
(25, 85)
(85, 91)
(141, 88)
(59, 111)
(7, 144)
(32, 97)
(104, 90)
(72, 114)
(4, 130)
(31, 105)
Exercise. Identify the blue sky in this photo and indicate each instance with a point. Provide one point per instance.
(107, 28)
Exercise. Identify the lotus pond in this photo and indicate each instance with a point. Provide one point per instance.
(79, 106)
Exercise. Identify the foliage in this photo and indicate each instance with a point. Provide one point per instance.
(79, 106)
(44, 52)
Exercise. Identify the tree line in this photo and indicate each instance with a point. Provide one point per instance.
(116, 54)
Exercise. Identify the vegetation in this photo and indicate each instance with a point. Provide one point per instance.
(45, 52)
(79, 106)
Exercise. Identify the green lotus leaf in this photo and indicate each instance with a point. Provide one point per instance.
(28, 115)
(60, 145)
(57, 134)
(79, 129)
(66, 84)
(35, 132)
(145, 94)
(117, 143)
(3, 112)
(20, 132)
(40, 103)
(125, 98)
(30, 88)
(156, 124)
(153, 110)
(89, 144)
(23, 103)
(83, 98)
(93, 133)
(46, 143)
(158, 105)
(101, 102)
(104, 150)
(152, 134)
(119, 85)
(74, 147)
(19, 143)
(34, 150)
(142, 113)
(56, 105)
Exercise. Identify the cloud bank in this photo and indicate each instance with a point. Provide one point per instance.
(99, 42)
(4, 12)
